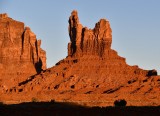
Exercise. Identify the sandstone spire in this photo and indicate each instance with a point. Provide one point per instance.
(92, 71)
(86, 41)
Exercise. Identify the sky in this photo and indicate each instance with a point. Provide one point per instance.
(135, 25)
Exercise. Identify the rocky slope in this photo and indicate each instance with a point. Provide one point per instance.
(92, 74)
(20, 53)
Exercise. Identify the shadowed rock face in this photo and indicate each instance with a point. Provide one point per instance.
(91, 72)
(20, 52)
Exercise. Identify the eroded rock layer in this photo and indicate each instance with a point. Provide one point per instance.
(20, 52)
(92, 74)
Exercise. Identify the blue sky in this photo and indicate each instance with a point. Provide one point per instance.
(135, 25)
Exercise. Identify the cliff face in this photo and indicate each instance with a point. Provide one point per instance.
(86, 41)
(93, 61)
(92, 73)
(20, 52)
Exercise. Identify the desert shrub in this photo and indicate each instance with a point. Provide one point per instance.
(1, 103)
(52, 101)
(120, 102)
(34, 99)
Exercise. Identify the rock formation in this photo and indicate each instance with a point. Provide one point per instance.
(86, 41)
(94, 63)
(20, 52)
(92, 73)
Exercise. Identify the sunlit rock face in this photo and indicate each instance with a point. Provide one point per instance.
(86, 41)
(92, 74)
(20, 52)
(92, 59)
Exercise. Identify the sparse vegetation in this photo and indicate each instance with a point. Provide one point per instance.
(52, 101)
(120, 102)
(1, 103)
(35, 99)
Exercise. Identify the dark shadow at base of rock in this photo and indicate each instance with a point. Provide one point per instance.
(65, 109)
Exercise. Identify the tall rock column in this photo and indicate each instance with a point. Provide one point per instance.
(86, 41)
(31, 50)
(75, 31)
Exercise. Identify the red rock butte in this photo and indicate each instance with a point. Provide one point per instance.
(92, 74)
(20, 52)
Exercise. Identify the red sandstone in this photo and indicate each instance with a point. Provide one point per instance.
(92, 74)
(20, 53)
